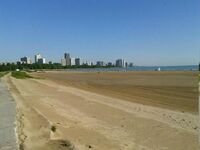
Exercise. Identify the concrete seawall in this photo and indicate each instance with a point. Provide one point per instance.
(8, 140)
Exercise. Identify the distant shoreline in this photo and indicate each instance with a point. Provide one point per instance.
(136, 68)
(44, 67)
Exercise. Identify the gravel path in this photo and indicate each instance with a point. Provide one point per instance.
(7, 119)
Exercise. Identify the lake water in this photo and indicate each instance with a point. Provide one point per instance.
(140, 68)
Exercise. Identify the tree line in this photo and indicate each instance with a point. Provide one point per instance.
(13, 67)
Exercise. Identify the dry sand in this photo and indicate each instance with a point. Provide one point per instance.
(87, 112)
(172, 90)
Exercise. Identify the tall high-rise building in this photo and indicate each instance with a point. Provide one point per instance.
(66, 55)
(130, 64)
(41, 61)
(100, 63)
(73, 62)
(37, 56)
(126, 64)
(109, 64)
(66, 61)
(120, 63)
(77, 62)
(63, 62)
(26, 60)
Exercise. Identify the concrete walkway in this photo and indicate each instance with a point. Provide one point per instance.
(7, 119)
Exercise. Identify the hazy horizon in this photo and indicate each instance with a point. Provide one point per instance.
(147, 33)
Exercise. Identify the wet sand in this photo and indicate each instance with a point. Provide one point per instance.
(90, 117)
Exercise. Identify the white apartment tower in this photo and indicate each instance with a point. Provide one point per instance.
(63, 62)
(73, 62)
(37, 57)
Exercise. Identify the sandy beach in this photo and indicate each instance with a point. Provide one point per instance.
(172, 90)
(107, 110)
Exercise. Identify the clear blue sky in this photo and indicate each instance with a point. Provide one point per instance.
(147, 32)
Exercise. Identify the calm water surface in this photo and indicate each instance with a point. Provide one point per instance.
(140, 68)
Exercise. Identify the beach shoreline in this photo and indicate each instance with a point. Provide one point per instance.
(89, 119)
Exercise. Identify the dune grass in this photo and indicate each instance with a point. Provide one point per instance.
(53, 128)
(21, 75)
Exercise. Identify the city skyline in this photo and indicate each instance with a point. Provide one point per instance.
(67, 60)
(148, 33)
(82, 61)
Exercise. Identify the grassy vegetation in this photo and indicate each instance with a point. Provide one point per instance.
(20, 75)
(68, 144)
(53, 128)
(199, 77)
(2, 74)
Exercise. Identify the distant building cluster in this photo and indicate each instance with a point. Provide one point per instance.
(68, 61)
(25, 60)
(39, 59)
(71, 61)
